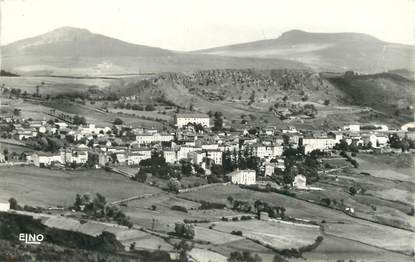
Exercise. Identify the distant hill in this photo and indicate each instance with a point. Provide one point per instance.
(327, 51)
(74, 51)
(69, 41)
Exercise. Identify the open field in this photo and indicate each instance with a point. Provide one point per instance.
(214, 236)
(334, 248)
(143, 240)
(13, 148)
(372, 204)
(387, 166)
(100, 118)
(147, 114)
(382, 188)
(340, 223)
(278, 235)
(243, 245)
(45, 187)
(53, 85)
(28, 109)
(141, 212)
(204, 255)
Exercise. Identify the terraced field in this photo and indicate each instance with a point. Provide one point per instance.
(336, 222)
(45, 187)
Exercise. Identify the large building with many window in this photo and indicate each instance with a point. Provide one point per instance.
(185, 119)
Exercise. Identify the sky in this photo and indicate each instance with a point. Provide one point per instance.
(196, 24)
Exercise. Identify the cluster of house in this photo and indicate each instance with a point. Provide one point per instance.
(76, 154)
(200, 148)
(30, 129)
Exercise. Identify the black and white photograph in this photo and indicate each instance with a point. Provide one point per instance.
(207, 130)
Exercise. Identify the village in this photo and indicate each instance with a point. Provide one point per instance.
(199, 175)
(244, 155)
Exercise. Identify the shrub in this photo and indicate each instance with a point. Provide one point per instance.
(313, 246)
(246, 217)
(237, 233)
(13, 204)
(237, 256)
(209, 205)
(118, 121)
(179, 208)
(326, 201)
(184, 230)
(242, 206)
(354, 163)
(174, 184)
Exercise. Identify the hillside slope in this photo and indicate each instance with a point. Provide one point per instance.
(388, 93)
(327, 51)
(270, 93)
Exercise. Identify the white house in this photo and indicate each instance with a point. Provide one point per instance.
(43, 159)
(2, 158)
(197, 157)
(92, 129)
(184, 119)
(321, 143)
(352, 128)
(170, 156)
(378, 141)
(300, 182)
(215, 155)
(25, 133)
(135, 156)
(243, 177)
(78, 155)
(263, 151)
(184, 151)
(269, 169)
(210, 146)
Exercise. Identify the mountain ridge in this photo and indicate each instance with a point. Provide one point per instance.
(295, 33)
(71, 50)
(59, 42)
(326, 51)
